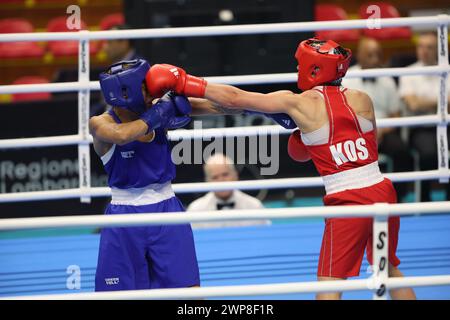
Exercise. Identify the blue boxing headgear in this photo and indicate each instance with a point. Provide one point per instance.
(122, 84)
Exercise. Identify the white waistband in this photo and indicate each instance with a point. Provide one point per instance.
(357, 178)
(152, 193)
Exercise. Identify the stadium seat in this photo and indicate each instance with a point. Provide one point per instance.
(15, 25)
(21, 49)
(327, 12)
(65, 47)
(112, 20)
(31, 96)
(25, 49)
(387, 10)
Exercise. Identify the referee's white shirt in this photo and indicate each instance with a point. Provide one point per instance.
(240, 199)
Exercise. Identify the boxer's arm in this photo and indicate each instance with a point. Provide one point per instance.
(206, 107)
(105, 129)
(164, 77)
(235, 98)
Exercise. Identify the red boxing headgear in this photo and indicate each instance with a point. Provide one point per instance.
(320, 62)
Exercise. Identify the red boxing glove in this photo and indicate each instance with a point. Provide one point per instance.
(165, 77)
(296, 148)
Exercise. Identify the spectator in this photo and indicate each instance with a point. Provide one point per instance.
(120, 49)
(387, 104)
(116, 50)
(420, 94)
(221, 168)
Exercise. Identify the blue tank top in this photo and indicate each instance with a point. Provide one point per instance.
(139, 164)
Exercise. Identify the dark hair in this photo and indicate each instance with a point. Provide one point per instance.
(124, 27)
(428, 33)
(316, 43)
(334, 83)
(119, 27)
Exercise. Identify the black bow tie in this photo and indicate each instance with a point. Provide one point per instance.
(220, 206)
(369, 79)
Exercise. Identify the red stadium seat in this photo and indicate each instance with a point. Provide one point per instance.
(15, 25)
(65, 47)
(387, 10)
(31, 96)
(327, 12)
(24, 49)
(112, 20)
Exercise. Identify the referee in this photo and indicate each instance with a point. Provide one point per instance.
(220, 168)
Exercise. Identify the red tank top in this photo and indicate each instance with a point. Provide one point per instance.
(348, 146)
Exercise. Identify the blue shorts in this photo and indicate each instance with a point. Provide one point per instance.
(147, 257)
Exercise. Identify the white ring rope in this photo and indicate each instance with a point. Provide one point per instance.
(226, 30)
(245, 290)
(232, 80)
(139, 219)
(301, 182)
(210, 133)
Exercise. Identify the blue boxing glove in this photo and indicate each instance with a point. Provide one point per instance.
(183, 109)
(282, 119)
(182, 104)
(159, 115)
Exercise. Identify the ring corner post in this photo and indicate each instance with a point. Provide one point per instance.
(380, 251)
(442, 112)
(84, 161)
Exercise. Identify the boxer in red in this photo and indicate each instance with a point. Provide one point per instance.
(337, 130)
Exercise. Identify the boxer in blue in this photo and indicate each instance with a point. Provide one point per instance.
(131, 141)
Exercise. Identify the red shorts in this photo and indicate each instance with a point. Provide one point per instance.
(345, 239)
